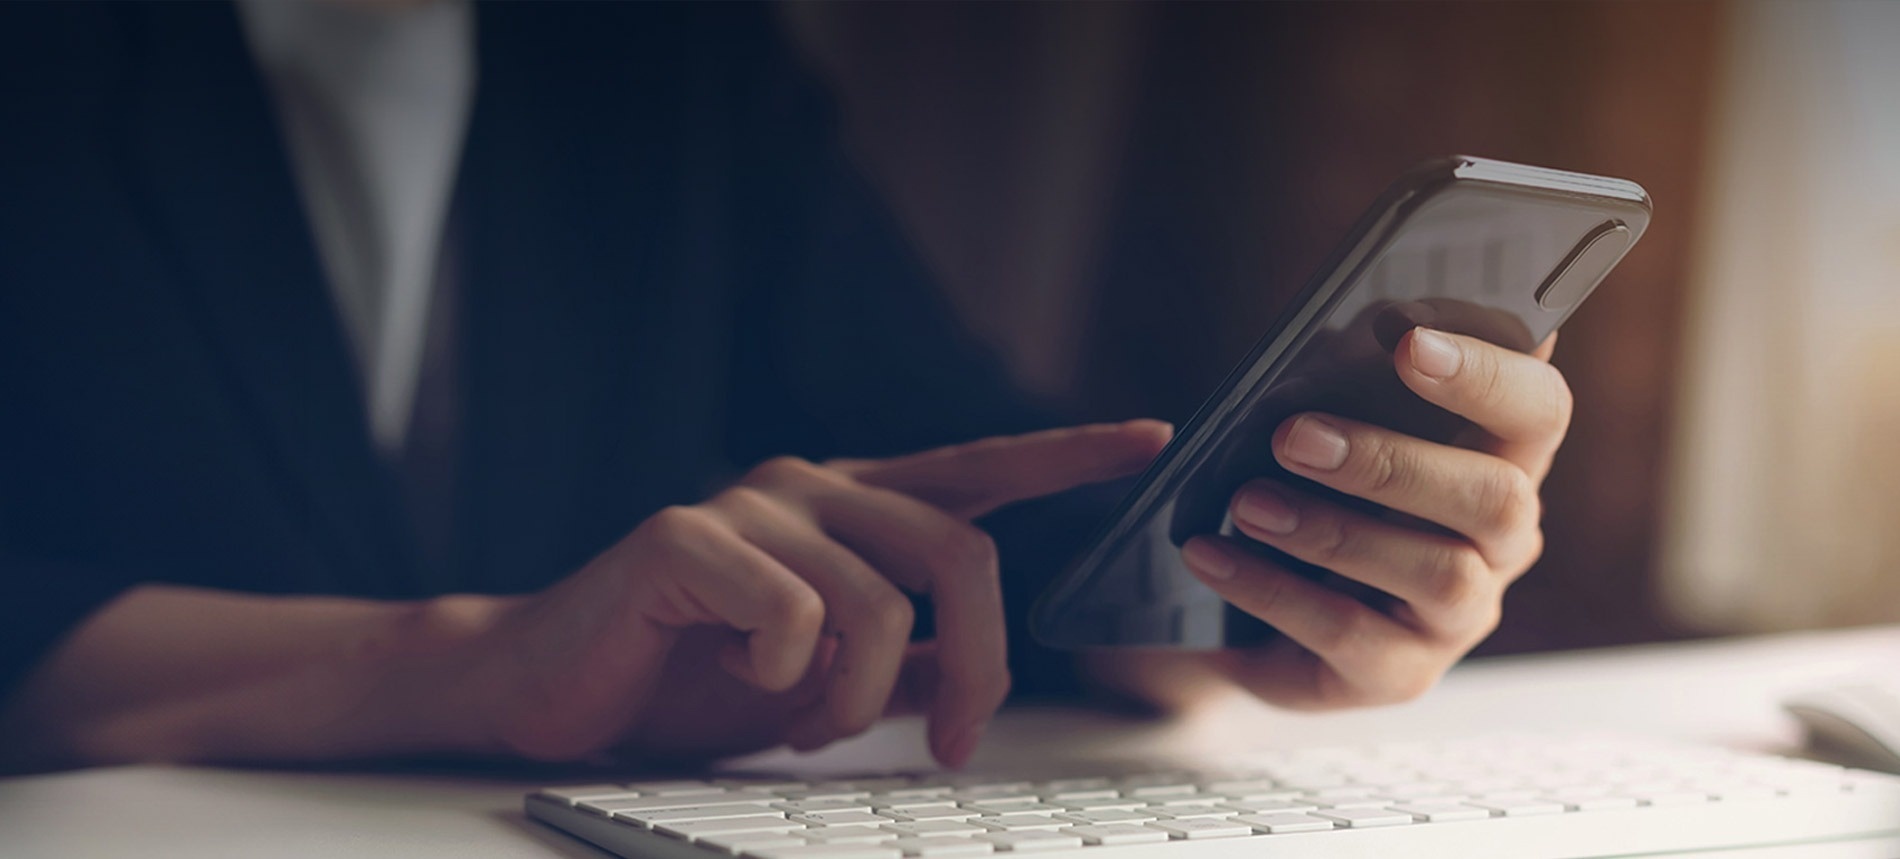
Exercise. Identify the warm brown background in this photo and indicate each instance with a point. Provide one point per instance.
(1122, 196)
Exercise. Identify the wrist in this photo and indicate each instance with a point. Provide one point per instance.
(434, 680)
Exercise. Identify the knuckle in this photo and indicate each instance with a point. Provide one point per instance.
(678, 522)
(795, 605)
(1510, 502)
(743, 499)
(1385, 469)
(970, 550)
(1458, 577)
(1347, 639)
(891, 613)
(1332, 541)
(783, 469)
(1270, 595)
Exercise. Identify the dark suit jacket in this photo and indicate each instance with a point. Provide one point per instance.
(669, 273)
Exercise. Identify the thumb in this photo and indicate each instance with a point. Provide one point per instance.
(969, 480)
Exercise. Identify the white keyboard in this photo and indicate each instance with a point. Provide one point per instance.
(1516, 797)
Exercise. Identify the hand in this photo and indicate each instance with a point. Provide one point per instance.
(1468, 526)
(781, 602)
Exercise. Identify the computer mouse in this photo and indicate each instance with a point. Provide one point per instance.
(1857, 722)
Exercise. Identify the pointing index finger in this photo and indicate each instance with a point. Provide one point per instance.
(969, 480)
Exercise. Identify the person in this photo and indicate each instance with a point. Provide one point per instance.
(562, 396)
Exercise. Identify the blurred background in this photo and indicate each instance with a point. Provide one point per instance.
(1120, 197)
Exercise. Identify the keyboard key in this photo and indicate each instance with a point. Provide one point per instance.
(1363, 818)
(674, 788)
(1416, 791)
(924, 829)
(840, 818)
(1113, 834)
(1105, 804)
(578, 793)
(1107, 816)
(812, 806)
(650, 819)
(1356, 802)
(739, 842)
(1442, 813)
(876, 784)
(828, 851)
(942, 845)
(916, 791)
(1012, 790)
(1516, 806)
(935, 812)
(903, 801)
(1026, 841)
(844, 835)
(1740, 792)
(1013, 822)
(1183, 799)
(815, 792)
(692, 830)
(1158, 790)
(1592, 802)
(1011, 807)
(1334, 795)
(766, 783)
(1073, 794)
(1276, 824)
(1187, 812)
(1201, 827)
(610, 807)
(1271, 807)
(1667, 796)
(973, 781)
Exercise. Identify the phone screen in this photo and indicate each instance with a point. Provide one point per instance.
(1501, 252)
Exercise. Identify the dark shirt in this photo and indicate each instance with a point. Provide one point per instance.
(669, 271)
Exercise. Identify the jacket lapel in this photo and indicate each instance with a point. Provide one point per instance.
(211, 172)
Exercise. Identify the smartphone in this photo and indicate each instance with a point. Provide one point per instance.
(1505, 252)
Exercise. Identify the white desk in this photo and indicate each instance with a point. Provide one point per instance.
(1720, 691)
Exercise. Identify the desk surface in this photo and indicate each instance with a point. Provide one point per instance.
(1723, 691)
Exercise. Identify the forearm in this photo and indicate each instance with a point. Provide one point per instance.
(178, 674)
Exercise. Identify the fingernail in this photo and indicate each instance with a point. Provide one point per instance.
(1265, 510)
(1434, 354)
(1209, 560)
(1315, 443)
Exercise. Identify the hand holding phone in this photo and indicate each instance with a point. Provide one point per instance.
(1392, 419)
